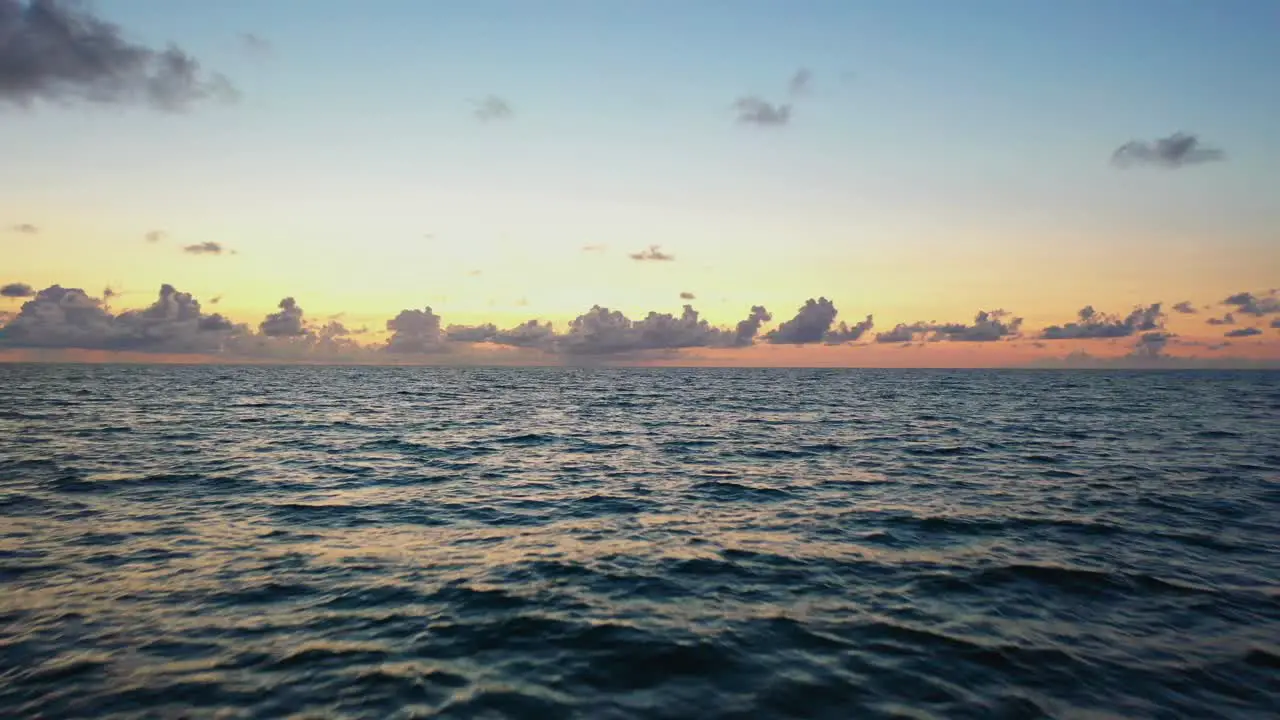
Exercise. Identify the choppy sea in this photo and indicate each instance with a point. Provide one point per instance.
(268, 542)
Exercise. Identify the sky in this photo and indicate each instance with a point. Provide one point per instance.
(504, 161)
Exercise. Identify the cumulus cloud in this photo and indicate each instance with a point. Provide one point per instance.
(810, 324)
(745, 331)
(155, 236)
(24, 228)
(903, 332)
(843, 333)
(287, 322)
(1228, 319)
(1243, 332)
(59, 317)
(1257, 305)
(986, 327)
(1151, 344)
(652, 253)
(1175, 151)
(493, 107)
(204, 248)
(471, 333)
(1185, 307)
(601, 331)
(17, 290)
(687, 296)
(59, 50)
(415, 331)
(1093, 324)
(753, 110)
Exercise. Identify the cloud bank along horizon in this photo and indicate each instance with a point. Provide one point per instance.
(175, 323)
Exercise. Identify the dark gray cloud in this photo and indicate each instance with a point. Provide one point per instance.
(1257, 305)
(687, 296)
(744, 333)
(17, 290)
(1151, 344)
(652, 253)
(801, 83)
(58, 51)
(986, 327)
(1243, 332)
(1185, 307)
(216, 299)
(601, 331)
(471, 333)
(752, 110)
(1228, 319)
(415, 331)
(155, 236)
(843, 333)
(204, 248)
(24, 228)
(903, 332)
(529, 334)
(1177, 150)
(1093, 324)
(493, 108)
(810, 324)
(287, 322)
(59, 317)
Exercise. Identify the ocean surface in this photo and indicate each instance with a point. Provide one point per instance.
(614, 543)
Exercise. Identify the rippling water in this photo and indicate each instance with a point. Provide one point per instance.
(546, 543)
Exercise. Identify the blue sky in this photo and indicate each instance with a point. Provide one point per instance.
(950, 156)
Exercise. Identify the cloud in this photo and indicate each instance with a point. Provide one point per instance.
(255, 45)
(216, 299)
(986, 327)
(810, 324)
(155, 236)
(204, 248)
(1093, 324)
(1243, 332)
(1254, 304)
(1175, 151)
(800, 83)
(55, 51)
(1185, 307)
(652, 253)
(24, 228)
(594, 248)
(493, 107)
(746, 330)
(753, 110)
(17, 290)
(1275, 323)
(415, 331)
(849, 333)
(59, 317)
(1151, 344)
(1228, 319)
(471, 333)
(288, 322)
(601, 331)
(687, 296)
(903, 333)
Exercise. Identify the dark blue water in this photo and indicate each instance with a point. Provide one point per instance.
(547, 543)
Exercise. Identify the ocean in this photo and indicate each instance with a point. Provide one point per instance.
(264, 542)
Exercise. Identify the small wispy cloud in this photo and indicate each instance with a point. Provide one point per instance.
(801, 83)
(753, 110)
(493, 108)
(155, 236)
(653, 252)
(204, 248)
(1185, 307)
(688, 296)
(1243, 332)
(1175, 151)
(594, 248)
(25, 229)
(255, 45)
